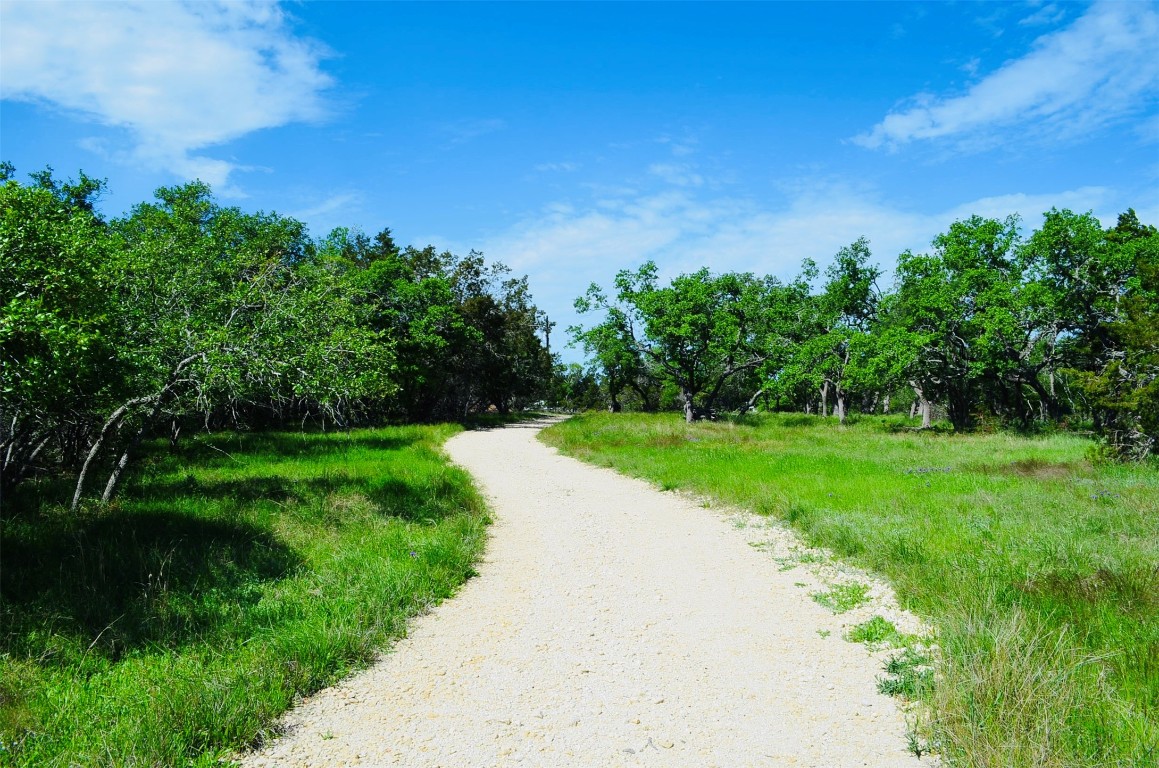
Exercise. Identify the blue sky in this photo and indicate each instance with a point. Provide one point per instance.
(572, 140)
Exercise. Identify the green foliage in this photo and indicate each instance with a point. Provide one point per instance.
(908, 675)
(58, 335)
(876, 631)
(189, 313)
(841, 598)
(1120, 349)
(696, 334)
(1036, 568)
(230, 579)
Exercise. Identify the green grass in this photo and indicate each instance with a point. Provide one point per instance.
(1039, 571)
(178, 622)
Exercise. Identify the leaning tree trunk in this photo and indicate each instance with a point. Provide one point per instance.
(123, 461)
(752, 402)
(111, 423)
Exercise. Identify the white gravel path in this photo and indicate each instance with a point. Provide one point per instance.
(611, 624)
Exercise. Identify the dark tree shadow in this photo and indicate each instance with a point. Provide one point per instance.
(118, 581)
(215, 450)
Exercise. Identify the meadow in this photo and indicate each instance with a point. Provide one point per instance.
(1037, 569)
(232, 576)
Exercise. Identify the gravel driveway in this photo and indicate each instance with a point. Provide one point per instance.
(611, 624)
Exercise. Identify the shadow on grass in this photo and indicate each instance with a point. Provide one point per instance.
(247, 490)
(426, 499)
(218, 449)
(116, 581)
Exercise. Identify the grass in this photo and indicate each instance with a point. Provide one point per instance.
(175, 624)
(1039, 571)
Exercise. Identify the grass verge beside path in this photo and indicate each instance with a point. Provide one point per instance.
(178, 622)
(1040, 571)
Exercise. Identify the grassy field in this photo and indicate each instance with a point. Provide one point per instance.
(1039, 571)
(228, 579)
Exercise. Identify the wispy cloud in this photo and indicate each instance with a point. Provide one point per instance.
(557, 167)
(678, 174)
(1048, 13)
(1098, 70)
(679, 147)
(332, 204)
(467, 129)
(178, 77)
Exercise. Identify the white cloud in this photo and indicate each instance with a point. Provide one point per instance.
(467, 129)
(557, 167)
(1076, 80)
(678, 174)
(679, 148)
(1050, 13)
(332, 204)
(179, 77)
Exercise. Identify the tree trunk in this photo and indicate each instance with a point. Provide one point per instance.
(122, 462)
(839, 405)
(885, 405)
(825, 399)
(921, 404)
(751, 404)
(113, 421)
(689, 411)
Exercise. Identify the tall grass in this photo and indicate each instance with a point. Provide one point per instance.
(230, 579)
(1039, 570)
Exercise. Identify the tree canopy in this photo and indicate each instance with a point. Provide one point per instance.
(186, 313)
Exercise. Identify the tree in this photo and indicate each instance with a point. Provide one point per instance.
(1121, 383)
(956, 305)
(845, 311)
(58, 354)
(611, 345)
(217, 310)
(699, 331)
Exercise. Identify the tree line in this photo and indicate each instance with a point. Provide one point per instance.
(1057, 327)
(187, 314)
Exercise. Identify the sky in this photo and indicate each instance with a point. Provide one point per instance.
(572, 140)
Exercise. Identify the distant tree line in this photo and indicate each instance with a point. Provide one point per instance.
(186, 314)
(1061, 326)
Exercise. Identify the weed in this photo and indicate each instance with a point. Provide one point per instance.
(875, 631)
(843, 597)
(907, 675)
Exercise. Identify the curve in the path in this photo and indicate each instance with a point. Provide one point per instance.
(611, 625)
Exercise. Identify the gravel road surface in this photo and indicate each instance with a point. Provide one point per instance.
(611, 624)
